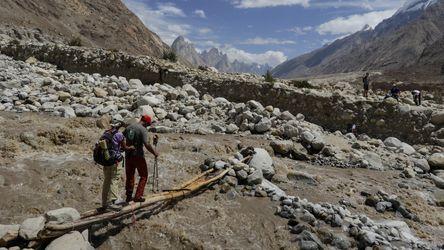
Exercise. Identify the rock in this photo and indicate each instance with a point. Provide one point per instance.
(366, 239)
(290, 131)
(262, 126)
(317, 144)
(255, 105)
(299, 176)
(255, 178)
(306, 236)
(63, 96)
(242, 175)
(232, 181)
(62, 215)
(383, 206)
(99, 92)
(68, 112)
(372, 161)
(71, 241)
(190, 90)
(281, 147)
(422, 164)
(271, 188)
(2, 181)
(262, 161)
(300, 153)
(8, 233)
(407, 149)
(29, 139)
(439, 198)
(104, 122)
(392, 142)
(31, 60)
(439, 182)
(145, 110)
(287, 116)
(31, 227)
(307, 137)
(390, 101)
(163, 130)
(436, 160)
(438, 118)
(232, 128)
(409, 172)
(149, 100)
(135, 84)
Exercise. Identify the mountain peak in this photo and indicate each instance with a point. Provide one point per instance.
(415, 5)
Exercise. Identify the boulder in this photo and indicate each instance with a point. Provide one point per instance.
(438, 118)
(68, 112)
(393, 142)
(436, 160)
(422, 164)
(104, 122)
(438, 181)
(30, 228)
(262, 161)
(63, 96)
(190, 90)
(307, 137)
(62, 215)
(290, 131)
(372, 161)
(287, 116)
(70, 241)
(149, 100)
(281, 147)
(145, 110)
(99, 92)
(263, 126)
(8, 233)
(232, 128)
(255, 178)
(299, 152)
(135, 84)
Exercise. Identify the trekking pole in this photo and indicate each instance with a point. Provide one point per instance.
(156, 170)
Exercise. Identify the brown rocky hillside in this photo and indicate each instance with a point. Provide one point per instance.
(105, 23)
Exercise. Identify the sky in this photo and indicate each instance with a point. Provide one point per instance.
(261, 31)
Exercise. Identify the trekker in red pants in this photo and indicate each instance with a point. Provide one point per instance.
(137, 135)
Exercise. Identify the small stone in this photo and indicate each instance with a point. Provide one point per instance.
(8, 233)
(242, 174)
(99, 92)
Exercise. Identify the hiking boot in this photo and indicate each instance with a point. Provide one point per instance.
(128, 199)
(140, 199)
(119, 201)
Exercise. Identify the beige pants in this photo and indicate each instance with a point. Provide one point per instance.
(110, 189)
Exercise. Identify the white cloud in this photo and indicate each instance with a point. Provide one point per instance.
(353, 23)
(365, 4)
(246, 4)
(301, 30)
(271, 58)
(204, 31)
(266, 41)
(200, 13)
(161, 20)
(169, 9)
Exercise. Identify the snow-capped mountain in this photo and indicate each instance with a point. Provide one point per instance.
(411, 39)
(415, 5)
(215, 58)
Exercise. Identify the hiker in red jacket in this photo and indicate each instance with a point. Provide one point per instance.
(137, 135)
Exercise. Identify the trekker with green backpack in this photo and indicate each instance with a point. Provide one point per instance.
(108, 153)
(136, 135)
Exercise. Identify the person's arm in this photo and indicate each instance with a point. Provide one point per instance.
(148, 145)
(125, 146)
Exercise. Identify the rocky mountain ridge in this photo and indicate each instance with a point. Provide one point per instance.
(215, 58)
(106, 24)
(404, 41)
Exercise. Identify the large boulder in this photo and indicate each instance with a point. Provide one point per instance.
(436, 160)
(70, 241)
(149, 100)
(281, 147)
(8, 233)
(145, 110)
(393, 142)
(62, 215)
(263, 125)
(438, 118)
(372, 161)
(30, 228)
(262, 161)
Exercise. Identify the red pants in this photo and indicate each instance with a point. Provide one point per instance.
(131, 164)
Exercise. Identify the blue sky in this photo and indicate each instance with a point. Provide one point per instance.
(263, 31)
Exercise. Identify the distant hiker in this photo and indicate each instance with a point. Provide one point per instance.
(108, 153)
(416, 97)
(137, 135)
(351, 128)
(394, 92)
(366, 83)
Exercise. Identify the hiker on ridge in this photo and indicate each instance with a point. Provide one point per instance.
(112, 174)
(366, 83)
(136, 135)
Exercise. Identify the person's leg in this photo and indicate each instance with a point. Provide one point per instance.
(130, 169)
(419, 99)
(142, 169)
(106, 185)
(115, 180)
